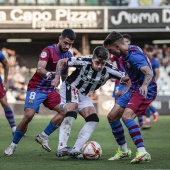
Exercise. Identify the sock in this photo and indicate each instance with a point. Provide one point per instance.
(50, 128)
(148, 113)
(156, 113)
(10, 116)
(152, 109)
(118, 132)
(140, 120)
(134, 132)
(84, 134)
(17, 136)
(14, 129)
(65, 129)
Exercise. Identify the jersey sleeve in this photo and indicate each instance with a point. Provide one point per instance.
(45, 54)
(157, 65)
(114, 72)
(138, 61)
(78, 61)
(1, 56)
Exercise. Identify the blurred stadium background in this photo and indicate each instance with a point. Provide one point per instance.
(27, 26)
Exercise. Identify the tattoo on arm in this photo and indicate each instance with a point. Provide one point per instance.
(59, 67)
(147, 79)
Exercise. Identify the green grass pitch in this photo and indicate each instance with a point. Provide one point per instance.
(29, 155)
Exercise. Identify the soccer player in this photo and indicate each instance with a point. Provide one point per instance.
(142, 92)
(149, 51)
(40, 91)
(3, 89)
(119, 88)
(90, 74)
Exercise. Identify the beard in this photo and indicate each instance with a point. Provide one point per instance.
(62, 50)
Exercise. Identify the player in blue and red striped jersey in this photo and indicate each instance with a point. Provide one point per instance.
(149, 51)
(40, 91)
(133, 103)
(119, 88)
(3, 89)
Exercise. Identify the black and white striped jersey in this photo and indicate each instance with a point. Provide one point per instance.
(85, 78)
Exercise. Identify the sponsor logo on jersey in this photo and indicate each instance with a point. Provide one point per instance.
(43, 55)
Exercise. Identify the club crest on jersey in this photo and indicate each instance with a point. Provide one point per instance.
(75, 97)
(102, 77)
(31, 102)
(128, 65)
(43, 55)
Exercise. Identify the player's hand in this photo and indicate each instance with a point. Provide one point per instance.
(51, 74)
(5, 86)
(56, 81)
(119, 93)
(143, 90)
(124, 80)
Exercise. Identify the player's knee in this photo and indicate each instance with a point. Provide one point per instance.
(92, 118)
(112, 118)
(71, 114)
(28, 116)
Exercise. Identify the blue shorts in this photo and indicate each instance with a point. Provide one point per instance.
(34, 99)
(118, 87)
(124, 99)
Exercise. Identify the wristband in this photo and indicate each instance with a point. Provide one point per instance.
(47, 73)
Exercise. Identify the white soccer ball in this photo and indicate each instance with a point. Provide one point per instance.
(92, 150)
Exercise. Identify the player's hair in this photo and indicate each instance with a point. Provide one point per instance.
(127, 36)
(68, 33)
(101, 52)
(149, 48)
(112, 38)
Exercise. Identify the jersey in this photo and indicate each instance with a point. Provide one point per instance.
(85, 78)
(155, 64)
(133, 61)
(1, 58)
(51, 55)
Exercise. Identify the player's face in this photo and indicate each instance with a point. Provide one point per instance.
(127, 41)
(113, 49)
(98, 64)
(64, 44)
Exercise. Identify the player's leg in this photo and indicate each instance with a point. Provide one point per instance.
(52, 102)
(67, 95)
(20, 131)
(155, 113)
(128, 116)
(32, 103)
(117, 128)
(91, 118)
(7, 109)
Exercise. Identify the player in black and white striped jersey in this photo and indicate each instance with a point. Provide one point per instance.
(90, 74)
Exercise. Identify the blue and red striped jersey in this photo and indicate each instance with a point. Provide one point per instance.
(1, 58)
(133, 61)
(51, 55)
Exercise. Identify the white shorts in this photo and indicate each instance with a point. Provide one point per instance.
(71, 94)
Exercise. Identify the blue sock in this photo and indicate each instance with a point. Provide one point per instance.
(50, 128)
(10, 116)
(148, 113)
(134, 132)
(118, 132)
(152, 109)
(17, 136)
(140, 120)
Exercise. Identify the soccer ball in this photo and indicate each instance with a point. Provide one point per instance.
(92, 150)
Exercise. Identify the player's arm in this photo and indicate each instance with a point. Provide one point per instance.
(62, 63)
(156, 74)
(42, 71)
(147, 79)
(6, 71)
